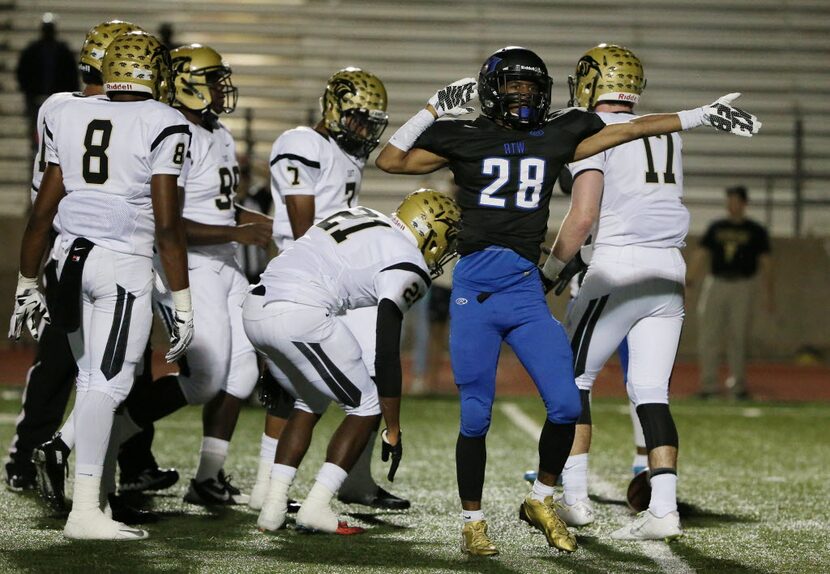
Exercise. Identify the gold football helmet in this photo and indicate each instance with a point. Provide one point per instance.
(434, 220)
(354, 110)
(97, 40)
(607, 73)
(197, 71)
(137, 62)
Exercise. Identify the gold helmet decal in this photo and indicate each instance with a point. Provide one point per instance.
(354, 110)
(434, 219)
(98, 39)
(137, 62)
(200, 75)
(607, 73)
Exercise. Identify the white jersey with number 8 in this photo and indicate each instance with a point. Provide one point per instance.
(108, 152)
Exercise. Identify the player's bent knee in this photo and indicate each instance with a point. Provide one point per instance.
(243, 378)
(199, 392)
(658, 425)
(475, 418)
(566, 410)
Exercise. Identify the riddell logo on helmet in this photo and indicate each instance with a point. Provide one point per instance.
(116, 87)
(628, 97)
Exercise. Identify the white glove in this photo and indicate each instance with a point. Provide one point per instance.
(29, 307)
(182, 325)
(450, 100)
(722, 116)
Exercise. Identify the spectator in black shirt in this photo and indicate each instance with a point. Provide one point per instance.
(735, 249)
(46, 66)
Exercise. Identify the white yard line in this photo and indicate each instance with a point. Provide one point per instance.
(659, 552)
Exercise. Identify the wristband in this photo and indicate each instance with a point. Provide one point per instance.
(181, 300)
(552, 267)
(24, 282)
(690, 119)
(407, 134)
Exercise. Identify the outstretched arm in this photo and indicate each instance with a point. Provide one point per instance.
(719, 115)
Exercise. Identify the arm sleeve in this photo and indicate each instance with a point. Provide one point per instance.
(295, 164)
(388, 375)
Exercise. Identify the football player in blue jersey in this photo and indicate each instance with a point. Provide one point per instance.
(505, 163)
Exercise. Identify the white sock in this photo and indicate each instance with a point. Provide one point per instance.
(94, 413)
(575, 478)
(331, 476)
(663, 494)
(541, 491)
(85, 495)
(212, 457)
(283, 470)
(472, 515)
(68, 429)
(268, 449)
(640, 460)
(359, 480)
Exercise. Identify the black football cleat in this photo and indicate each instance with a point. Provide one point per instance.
(123, 512)
(380, 499)
(20, 478)
(148, 480)
(215, 492)
(50, 460)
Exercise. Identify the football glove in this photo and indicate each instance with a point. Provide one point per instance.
(574, 267)
(395, 452)
(182, 331)
(29, 308)
(722, 116)
(450, 100)
(181, 336)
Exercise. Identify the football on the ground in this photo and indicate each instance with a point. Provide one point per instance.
(638, 495)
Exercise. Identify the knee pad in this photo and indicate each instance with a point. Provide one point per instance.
(475, 417)
(200, 389)
(658, 425)
(566, 408)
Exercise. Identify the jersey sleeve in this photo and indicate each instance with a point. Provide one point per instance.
(50, 148)
(188, 163)
(403, 284)
(170, 144)
(295, 164)
(595, 162)
(440, 138)
(708, 239)
(762, 240)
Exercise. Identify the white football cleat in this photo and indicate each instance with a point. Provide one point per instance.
(94, 525)
(646, 526)
(579, 513)
(275, 505)
(318, 517)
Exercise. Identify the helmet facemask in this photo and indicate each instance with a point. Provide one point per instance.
(359, 130)
(504, 92)
(207, 84)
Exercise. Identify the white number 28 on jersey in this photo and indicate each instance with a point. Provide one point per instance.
(531, 178)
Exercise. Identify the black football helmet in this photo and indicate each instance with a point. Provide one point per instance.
(518, 110)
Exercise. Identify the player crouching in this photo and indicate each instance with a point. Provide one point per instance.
(353, 259)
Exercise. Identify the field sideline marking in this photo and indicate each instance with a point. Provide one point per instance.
(655, 550)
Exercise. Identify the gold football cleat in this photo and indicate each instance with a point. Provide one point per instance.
(542, 515)
(474, 539)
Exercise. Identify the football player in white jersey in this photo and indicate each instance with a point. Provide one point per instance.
(52, 375)
(631, 196)
(220, 369)
(352, 259)
(316, 172)
(114, 194)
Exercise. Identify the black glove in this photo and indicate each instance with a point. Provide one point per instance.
(573, 267)
(396, 452)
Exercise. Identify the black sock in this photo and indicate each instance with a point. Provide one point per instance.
(555, 446)
(135, 455)
(471, 457)
(148, 403)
